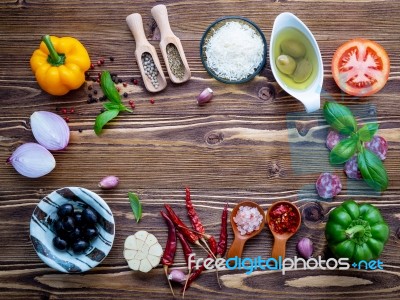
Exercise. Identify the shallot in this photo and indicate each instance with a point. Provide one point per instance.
(305, 248)
(177, 276)
(32, 160)
(248, 219)
(109, 182)
(205, 96)
(50, 130)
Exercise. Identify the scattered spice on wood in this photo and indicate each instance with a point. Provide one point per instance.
(175, 61)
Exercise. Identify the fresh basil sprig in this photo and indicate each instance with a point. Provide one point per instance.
(135, 205)
(113, 107)
(371, 167)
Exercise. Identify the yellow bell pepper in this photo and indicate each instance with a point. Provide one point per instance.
(60, 64)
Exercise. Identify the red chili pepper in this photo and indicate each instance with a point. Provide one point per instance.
(187, 250)
(223, 236)
(194, 275)
(193, 216)
(187, 233)
(170, 248)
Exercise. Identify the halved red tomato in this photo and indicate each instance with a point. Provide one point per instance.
(360, 67)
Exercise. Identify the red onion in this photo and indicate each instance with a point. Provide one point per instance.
(50, 130)
(305, 248)
(32, 160)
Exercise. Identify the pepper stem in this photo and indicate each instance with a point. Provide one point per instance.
(54, 58)
(355, 230)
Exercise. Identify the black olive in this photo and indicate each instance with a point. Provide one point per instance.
(60, 244)
(90, 232)
(89, 216)
(68, 223)
(58, 227)
(80, 246)
(65, 210)
(75, 234)
(78, 219)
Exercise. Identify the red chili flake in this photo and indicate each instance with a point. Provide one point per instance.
(125, 84)
(91, 66)
(135, 81)
(152, 101)
(64, 110)
(66, 119)
(283, 218)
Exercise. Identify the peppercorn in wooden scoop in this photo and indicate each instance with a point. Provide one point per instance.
(242, 226)
(146, 56)
(171, 47)
(284, 219)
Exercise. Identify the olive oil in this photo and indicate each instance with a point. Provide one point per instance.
(291, 33)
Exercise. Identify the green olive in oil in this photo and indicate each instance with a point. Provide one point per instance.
(293, 43)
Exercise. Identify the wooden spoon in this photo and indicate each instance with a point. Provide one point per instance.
(135, 24)
(236, 248)
(279, 247)
(160, 14)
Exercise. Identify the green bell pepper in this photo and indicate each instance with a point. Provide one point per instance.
(357, 232)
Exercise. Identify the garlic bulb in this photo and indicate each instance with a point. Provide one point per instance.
(142, 251)
(50, 130)
(32, 160)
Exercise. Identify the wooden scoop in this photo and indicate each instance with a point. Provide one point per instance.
(135, 24)
(236, 248)
(160, 14)
(279, 247)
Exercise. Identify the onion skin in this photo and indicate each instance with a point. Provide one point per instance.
(109, 182)
(305, 248)
(32, 160)
(50, 130)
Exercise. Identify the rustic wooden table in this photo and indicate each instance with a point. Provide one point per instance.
(252, 142)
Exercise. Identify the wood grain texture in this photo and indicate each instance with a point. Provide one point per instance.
(252, 142)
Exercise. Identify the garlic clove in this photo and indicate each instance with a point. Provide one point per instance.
(129, 254)
(205, 96)
(32, 160)
(156, 250)
(50, 130)
(145, 266)
(109, 182)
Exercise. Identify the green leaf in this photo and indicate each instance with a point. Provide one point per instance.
(136, 205)
(372, 170)
(344, 150)
(367, 132)
(109, 89)
(103, 118)
(340, 118)
(111, 106)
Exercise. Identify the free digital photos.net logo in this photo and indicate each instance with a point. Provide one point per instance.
(284, 264)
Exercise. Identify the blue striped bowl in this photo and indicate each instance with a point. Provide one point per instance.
(42, 233)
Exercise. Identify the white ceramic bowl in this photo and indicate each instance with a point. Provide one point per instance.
(42, 232)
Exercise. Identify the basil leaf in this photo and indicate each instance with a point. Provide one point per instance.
(108, 88)
(103, 118)
(340, 118)
(135, 205)
(111, 105)
(344, 150)
(367, 132)
(372, 170)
